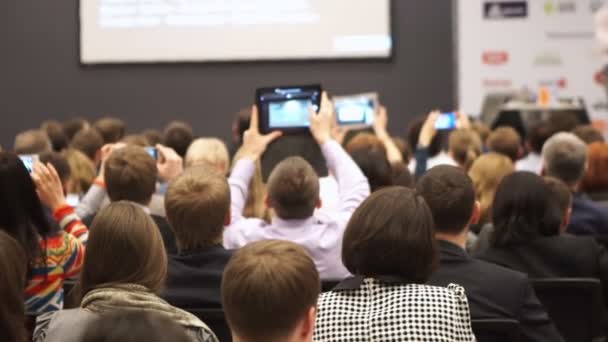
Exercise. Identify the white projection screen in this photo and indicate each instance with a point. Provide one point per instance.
(144, 31)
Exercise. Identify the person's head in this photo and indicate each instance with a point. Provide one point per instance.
(54, 130)
(449, 192)
(130, 174)
(61, 165)
(111, 129)
(210, 152)
(505, 140)
(563, 121)
(293, 189)
(391, 233)
(123, 234)
(413, 134)
(134, 326)
(482, 130)
(153, 136)
(565, 158)
(82, 171)
(269, 292)
(538, 135)
(88, 141)
(588, 134)
(13, 269)
(364, 141)
(564, 199)
(33, 141)
(524, 209)
(135, 140)
(401, 175)
(73, 126)
(178, 135)
(464, 146)
(486, 173)
(198, 207)
(596, 175)
(22, 215)
(375, 166)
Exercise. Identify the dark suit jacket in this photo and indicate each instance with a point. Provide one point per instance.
(588, 217)
(495, 292)
(163, 227)
(194, 278)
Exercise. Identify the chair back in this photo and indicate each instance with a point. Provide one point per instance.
(575, 305)
(496, 330)
(216, 320)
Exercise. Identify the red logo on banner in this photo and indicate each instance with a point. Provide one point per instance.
(600, 77)
(495, 57)
(493, 83)
(560, 83)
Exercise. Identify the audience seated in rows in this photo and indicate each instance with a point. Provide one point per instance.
(492, 291)
(125, 268)
(13, 274)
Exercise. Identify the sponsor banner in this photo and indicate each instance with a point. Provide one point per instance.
(530, 44)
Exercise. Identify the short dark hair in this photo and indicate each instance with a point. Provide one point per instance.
(293, 189)
(391, 233)
(178, 135)
(450, 194)
(88, 141)
(135, 140)
(588, 134)
(130, 174)
(134, 326)
(59, 162)
(505, 140)
(375, 166)
(153, 136)
(524, 209)
(267, 288)
(54, 130)
(563, 121)
(111, 129)
(538, 135)
(73, 126)
(402, 175)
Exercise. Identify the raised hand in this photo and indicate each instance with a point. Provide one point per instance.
(255, 143)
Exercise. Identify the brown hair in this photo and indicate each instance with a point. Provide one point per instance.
(135, 140)
(268, 287)
(588, 134)
(54, 131)
(73, 126)
(111, 129)
(487, 172)
(596, 175)
(197, 205)
(561, 191)
(33, 141)
(293, 189)
(125, 246)
(13, 268)
(130, 174)
(82, 171)
(464, 146)
(178, 135)
(391, 234)
(364, 141)
(153, 136)
(505, 140)
(88, 141)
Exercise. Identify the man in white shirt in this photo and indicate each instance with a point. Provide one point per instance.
(537, 136)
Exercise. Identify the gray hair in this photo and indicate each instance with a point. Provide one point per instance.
(565, 157)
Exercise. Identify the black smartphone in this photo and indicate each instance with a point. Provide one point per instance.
(287, 108)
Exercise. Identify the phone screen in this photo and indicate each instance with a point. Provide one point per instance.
(446, 121)
(29, 160)
(153, 152)
(355, 110)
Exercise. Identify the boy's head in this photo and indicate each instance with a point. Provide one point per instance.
(505, 140)
(269, 292)
(130, 174)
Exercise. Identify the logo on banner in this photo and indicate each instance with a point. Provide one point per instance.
(495, 58)
(600, 77)
(496, 83)
(561, 7)
(559, 83)
(505, 9)
(548, 58)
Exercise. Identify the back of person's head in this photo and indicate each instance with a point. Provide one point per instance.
(240, 124)
(82, 171)
(130, 174)
(482, 130)
(293, 189)
(22, 214)
(505, 140)
(588, 134)
(596, 175)
(73, 126)
(524, 209)
(111, 129)
(178, 135)
(375, 166)
(32, 141)
(54, 130)
(135, 140)
(401, 175)
(197, 204)
(565, 158)
(13, 268)
(210, 152)
(134, 326)
(413, 134)
(362, 141)
(153, 136)
(391, 234)
(449, 192)
(563, 121)
(464, 145)
(564, 198)
(61, 165)
(124, 247)
(269, 292)
(538, 135)
(88, 141)
(486, 173)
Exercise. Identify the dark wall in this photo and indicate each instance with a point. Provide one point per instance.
(41, 77)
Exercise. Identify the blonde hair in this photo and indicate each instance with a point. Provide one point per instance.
(255, 206)
(465, 146)
(487, 172)
(82, 171)
(210, 152)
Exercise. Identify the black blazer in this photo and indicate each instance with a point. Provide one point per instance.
(194, 278)
(495, 292)
(562, 256)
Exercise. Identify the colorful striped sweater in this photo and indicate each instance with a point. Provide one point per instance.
(64, 258)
